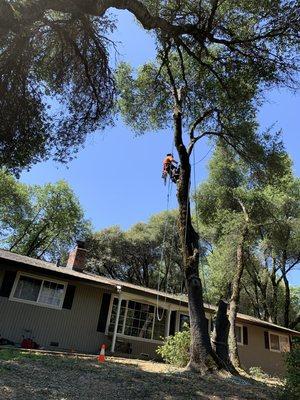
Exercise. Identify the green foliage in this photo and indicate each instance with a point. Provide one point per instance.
(135, 255)
(40, 221)
(175, 349)
(292, 387)
(257, 372)
(56, 85)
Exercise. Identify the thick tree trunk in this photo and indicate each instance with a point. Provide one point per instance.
(234, 300)
(264, 302)
(287, 301)
(202, 356)
(220, 336)
(274, 307)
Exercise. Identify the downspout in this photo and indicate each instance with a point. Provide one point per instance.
(113, 343)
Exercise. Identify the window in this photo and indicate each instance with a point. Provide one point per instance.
(239, 334)
(279, 343)
(185, 319)
(30, 289)
(138, 320)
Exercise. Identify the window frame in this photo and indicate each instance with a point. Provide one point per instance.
(122, 334)
(42, 279)
(208, 317)
(242, 334)
(279, 336)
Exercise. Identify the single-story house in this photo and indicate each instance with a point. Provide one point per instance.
(68, 308)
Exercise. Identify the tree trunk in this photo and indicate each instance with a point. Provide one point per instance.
(220, 335)
(274, 307)
(287, 301)
(202, 356)
(234, 300)
(264, 302)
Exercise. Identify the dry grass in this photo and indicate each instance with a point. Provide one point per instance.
(38, 376)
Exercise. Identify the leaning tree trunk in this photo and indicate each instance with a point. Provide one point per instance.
(202, 356)
(234, 300)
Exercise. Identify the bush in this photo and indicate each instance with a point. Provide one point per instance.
(257, 372)
(175, 349)
(292, 387)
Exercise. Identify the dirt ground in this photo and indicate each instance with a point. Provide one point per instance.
(36, 376)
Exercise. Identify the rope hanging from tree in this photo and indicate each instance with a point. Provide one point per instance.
(162, 256)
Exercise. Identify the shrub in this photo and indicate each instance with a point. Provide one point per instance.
(175, 349)
(258, 372)
(292, 387)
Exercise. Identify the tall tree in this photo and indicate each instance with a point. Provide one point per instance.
(230, 205)
(160, 95)
(280, 238)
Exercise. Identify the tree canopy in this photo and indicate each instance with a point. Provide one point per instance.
(56, 83)
(40, 221)
(147, 254)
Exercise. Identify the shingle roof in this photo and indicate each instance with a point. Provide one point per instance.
(101, 280)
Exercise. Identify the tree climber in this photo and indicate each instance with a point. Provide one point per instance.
(170, 169)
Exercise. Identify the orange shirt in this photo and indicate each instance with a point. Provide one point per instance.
(168, 160)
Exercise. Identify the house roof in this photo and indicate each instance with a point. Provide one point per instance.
(112, 283)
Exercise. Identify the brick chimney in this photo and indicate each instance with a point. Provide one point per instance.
(77, 257)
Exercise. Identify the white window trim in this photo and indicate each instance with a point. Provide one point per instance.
(122, 335)
(36, 303)
(242, 335)
(279, 336)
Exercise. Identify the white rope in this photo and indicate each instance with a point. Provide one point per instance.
(159, 318)
(196, 211)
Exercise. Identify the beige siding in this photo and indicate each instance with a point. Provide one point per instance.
(77, 329)
(255, 354)
(72, 329)
(139, 348)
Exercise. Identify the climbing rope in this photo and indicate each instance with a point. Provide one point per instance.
(169, 192)
(162, 256)
(197, 216)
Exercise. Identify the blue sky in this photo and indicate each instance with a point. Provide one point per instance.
(117, 177)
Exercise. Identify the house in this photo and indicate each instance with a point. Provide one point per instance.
(64, 308)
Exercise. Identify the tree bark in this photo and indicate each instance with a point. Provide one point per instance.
(220, 336)
(274, 307)
(233, 349)
(287, 301)
(235, 297)
(202, 356)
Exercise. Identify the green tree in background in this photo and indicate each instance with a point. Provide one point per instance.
(245, 219)
(280, 239)
(40, 221)
(137, 255)
(230, 205)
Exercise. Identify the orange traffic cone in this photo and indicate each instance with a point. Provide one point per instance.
(101, 357)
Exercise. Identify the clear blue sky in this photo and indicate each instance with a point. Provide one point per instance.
(130, 189)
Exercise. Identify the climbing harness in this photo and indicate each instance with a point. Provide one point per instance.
(170, 170)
